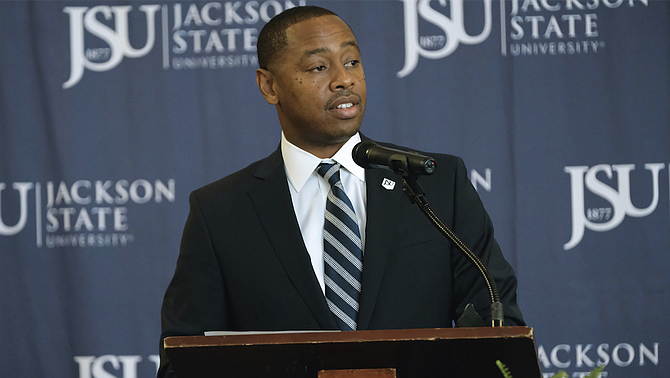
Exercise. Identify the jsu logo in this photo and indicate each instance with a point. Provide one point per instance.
(606, 218)
(453, 28)
(108, 365)
(117, 38)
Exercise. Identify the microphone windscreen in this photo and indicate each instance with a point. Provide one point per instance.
(360, 152)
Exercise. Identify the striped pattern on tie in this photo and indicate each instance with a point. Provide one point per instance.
(342, 251)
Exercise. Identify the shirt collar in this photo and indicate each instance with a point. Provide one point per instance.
(300, 164)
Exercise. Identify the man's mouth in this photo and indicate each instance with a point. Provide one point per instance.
(344, 106)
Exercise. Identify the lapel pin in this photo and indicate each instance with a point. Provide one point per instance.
(388, 184)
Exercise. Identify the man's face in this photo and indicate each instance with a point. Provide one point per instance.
(320, 85)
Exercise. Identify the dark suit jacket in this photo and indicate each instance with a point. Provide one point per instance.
(243, 264)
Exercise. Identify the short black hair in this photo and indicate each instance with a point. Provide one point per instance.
(272, 39)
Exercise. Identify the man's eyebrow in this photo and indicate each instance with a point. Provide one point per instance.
(350, 43)
(322, 50)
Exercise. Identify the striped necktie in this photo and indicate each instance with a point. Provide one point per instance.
(342, 251)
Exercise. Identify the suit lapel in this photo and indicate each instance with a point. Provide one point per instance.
(383, 210)
(272, 202)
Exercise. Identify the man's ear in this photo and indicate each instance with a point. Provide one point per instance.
(266, 83)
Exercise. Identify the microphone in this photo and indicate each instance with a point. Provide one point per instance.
(410, 165)
(369, 154)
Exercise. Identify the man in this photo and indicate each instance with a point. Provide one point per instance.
(253, 248)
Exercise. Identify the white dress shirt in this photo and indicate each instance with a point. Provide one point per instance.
(309, 191)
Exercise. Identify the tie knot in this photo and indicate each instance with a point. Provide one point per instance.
(330, 171)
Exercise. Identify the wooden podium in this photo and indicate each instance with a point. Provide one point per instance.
(425, 353)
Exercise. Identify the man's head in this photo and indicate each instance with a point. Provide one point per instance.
(311, 71)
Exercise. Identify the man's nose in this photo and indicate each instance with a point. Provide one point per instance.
(342, 78)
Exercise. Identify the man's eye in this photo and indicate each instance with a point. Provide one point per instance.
(319, 68)
(353, 63)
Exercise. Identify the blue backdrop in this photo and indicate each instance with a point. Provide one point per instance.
(112, 112)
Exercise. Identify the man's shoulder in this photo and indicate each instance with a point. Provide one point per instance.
(243, 179)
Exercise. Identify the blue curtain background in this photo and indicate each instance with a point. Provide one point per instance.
(111, 113)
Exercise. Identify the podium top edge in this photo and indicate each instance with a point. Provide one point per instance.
(321, 337)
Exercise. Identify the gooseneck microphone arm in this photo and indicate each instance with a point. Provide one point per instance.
(415, 193)
(410, 166)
